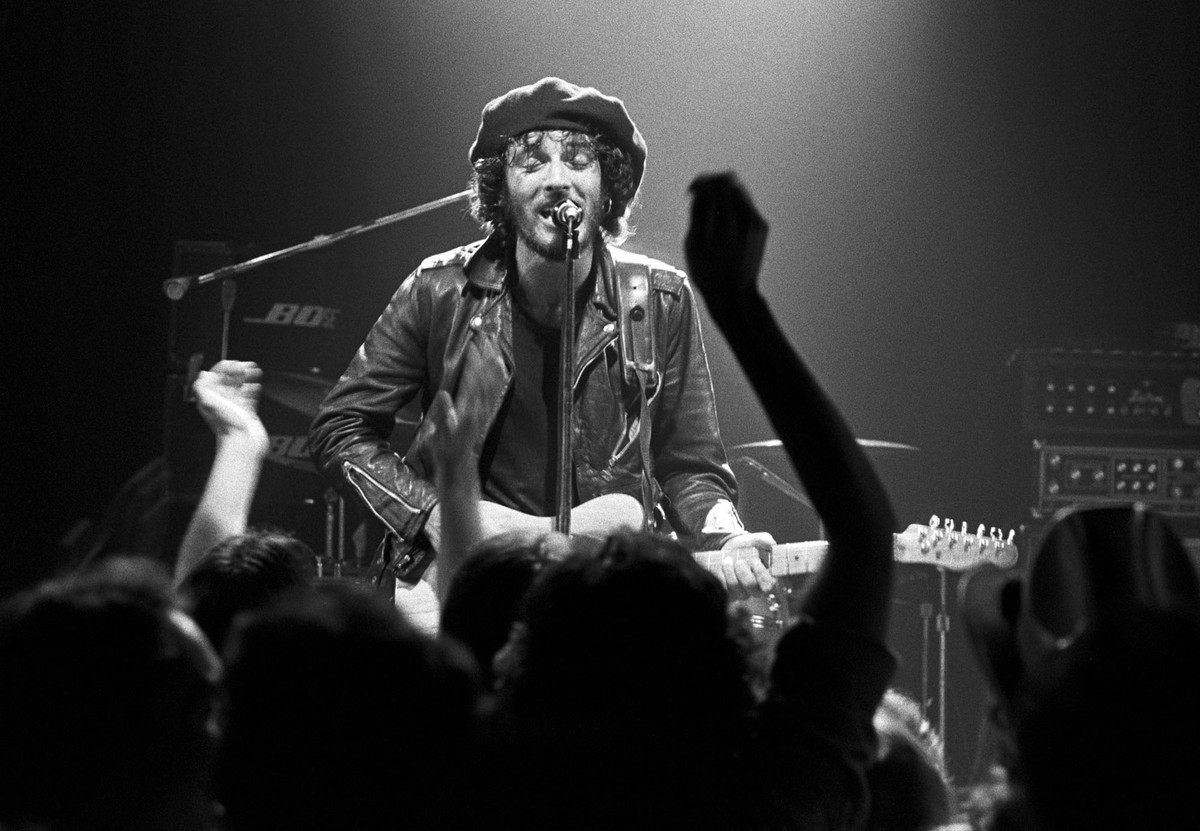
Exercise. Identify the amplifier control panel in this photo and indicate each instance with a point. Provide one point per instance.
(1166, 479)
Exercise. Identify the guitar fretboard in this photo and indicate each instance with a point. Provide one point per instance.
(917, 545)
(783, 560)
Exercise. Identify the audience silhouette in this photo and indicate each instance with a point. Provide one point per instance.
(107, 705)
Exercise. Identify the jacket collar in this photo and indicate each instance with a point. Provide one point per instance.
(487, 267)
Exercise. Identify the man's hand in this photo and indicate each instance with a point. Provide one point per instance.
(227, 397)
(747, 577)
(724, 243)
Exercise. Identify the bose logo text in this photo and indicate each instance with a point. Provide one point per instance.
(293, 314)
(290, 451)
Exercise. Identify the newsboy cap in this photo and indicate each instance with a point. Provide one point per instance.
(554, 104)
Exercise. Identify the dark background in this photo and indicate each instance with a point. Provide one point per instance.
(946, 184)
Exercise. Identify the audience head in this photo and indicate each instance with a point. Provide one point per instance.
(341, 715)
(624, 671)
(910, 789)
(636, 623)
(1094, 658)
(106, 704)
(484, 598)
(242, 573)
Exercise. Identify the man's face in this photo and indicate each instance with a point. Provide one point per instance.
(541, 171)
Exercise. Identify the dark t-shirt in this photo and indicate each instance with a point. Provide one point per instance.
(519, 461)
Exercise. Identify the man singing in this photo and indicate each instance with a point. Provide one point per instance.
(482, 322)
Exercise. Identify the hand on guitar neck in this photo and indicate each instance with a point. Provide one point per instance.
(934, 544)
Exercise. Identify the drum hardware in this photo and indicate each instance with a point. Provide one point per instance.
(872, 446)
(773, 479)
(934, 610)
(942, 625)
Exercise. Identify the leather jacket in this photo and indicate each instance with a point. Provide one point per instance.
(455, 309)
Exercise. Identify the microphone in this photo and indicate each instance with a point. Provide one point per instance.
(567, 216)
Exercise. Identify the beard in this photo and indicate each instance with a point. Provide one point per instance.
(544, 238)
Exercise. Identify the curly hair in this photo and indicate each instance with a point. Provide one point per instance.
(489, 195)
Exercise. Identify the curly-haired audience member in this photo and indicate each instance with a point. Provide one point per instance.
(244, 572)
(341, 715)
(107, 705)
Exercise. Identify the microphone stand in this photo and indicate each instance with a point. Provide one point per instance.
(176, 287)
(566, 372)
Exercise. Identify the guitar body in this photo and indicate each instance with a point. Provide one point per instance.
(596, 518)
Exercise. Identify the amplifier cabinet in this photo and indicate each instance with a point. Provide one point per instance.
(1131, 397)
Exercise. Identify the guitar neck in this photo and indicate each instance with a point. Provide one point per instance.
(784, 559)
(919, 545)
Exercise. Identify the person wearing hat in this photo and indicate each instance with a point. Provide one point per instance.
(481, 322)
(1092, 657)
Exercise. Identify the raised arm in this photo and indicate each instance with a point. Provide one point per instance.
(724, 248)
(227, 397)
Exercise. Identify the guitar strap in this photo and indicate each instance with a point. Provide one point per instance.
(639, 359)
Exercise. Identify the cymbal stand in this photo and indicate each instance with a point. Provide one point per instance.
(926, 617)
(335, 526)
(943, 628)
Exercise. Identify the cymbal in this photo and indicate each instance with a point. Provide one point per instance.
(297, 391)
(303, 392)
(866, 444)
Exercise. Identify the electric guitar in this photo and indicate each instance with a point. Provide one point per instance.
(937, 544)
